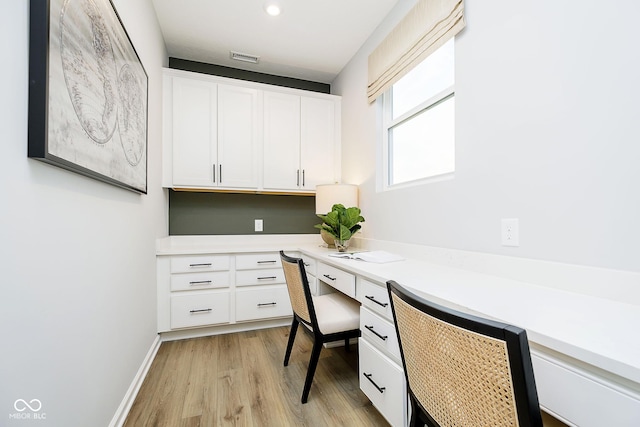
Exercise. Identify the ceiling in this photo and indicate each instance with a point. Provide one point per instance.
(310, 39)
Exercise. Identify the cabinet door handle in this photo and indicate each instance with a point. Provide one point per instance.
(271, 261)
(200, 282)
(382, 337)
(267, 278)
(303, 177)
(202, 310)
(298, 178)
(372, 298)
(329, 277)
(214, 172)
(265, 304)
(220, 175)
(202, 264)
(368, 376)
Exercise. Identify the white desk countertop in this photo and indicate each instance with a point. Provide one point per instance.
(599, 332)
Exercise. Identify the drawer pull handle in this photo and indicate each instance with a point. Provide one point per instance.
(382, 337)
(202, 310)
(201, 282)
(265, 304)
(271, 261)
(202, 264)
(267, 278)
(372, 298)
(329, 277)
(368, 376)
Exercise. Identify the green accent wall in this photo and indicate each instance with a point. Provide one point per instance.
(252, 76)
(193, 213)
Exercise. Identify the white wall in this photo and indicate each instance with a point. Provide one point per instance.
(546, 131)
(77, 298)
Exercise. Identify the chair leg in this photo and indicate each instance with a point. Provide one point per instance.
(313, 363)
(415, 418)
(292, 337)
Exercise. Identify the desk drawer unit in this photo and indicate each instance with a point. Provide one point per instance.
(258, 261)
(375, 298)
(203, 280)
(268, 276)
(193, 309)
(338, 279)
(383, 382)
(620, 408)
(381, 333)
(263, 302)
(197, 263)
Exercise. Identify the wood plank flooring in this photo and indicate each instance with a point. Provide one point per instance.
(239, 380)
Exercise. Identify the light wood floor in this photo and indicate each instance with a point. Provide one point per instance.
(239, 380)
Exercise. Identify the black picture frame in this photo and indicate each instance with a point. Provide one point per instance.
(88, 93)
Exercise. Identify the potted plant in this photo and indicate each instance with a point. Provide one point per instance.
(340, 224)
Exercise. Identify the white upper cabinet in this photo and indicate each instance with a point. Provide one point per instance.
(300, 139)
(281, 165)
(194, 138)
(238, 128)
(225, 134)
(319, 141)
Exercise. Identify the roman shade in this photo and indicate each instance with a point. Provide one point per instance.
(423, 30)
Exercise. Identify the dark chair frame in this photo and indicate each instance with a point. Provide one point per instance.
(525, 393)
(318, 337)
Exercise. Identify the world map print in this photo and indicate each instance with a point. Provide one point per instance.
(97, 93)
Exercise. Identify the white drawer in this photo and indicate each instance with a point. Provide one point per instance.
(204, 280)
(313, 284)
(375, 297)
(262, 303)
(338, 279)
(383, 382)
(309, 265)
(199, 309)
(582, 389)
(259, 277)
(380, 332)
(260, 260)
(190, 263)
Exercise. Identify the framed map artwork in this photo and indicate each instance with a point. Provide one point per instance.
(87, 92)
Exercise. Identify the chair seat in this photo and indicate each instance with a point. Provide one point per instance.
(336, 313)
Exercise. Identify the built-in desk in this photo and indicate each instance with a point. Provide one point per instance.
(585, 350)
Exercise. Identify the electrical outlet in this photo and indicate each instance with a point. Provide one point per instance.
(258, 225)
(510, 232)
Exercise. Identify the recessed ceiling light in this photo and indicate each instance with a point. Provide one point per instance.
(272, 9)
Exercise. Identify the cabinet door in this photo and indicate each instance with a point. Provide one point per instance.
(238, 129)
(318, 139)
(281, 165)
(194, 132)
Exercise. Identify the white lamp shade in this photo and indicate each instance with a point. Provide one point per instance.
(330, 194)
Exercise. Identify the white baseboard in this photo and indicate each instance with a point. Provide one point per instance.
(125, 406)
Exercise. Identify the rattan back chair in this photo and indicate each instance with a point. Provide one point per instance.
(330, 317)
(463, 370)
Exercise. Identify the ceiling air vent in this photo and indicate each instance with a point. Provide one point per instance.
(244, 57)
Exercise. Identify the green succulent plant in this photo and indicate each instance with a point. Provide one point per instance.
(341, 222)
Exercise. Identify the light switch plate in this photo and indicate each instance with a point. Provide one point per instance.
(258, 225)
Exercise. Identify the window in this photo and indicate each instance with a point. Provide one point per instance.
(419, 121)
